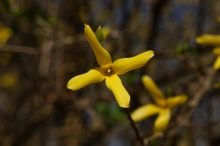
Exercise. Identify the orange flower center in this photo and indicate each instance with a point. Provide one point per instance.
(108, 70)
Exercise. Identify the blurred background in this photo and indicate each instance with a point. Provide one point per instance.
(42, 46)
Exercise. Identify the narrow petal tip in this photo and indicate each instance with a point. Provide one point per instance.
(162, 121)
(70, 85)
(123, 105)
(102, 55)
(216, 64)
(151, 52)
(177, 100)
(124, 65)
(209, 39)
(74, 83)
(144, 112)
(198, 40)
(80, 81)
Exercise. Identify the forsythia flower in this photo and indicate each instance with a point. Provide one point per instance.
(213, 40)
(162, 108)
(108, 70)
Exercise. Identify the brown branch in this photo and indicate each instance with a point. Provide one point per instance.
(206, 87)
(133, 125)
(153, 137)
(19, 49)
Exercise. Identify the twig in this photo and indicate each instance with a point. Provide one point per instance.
(153, 137)
(203, 89)
(19, 49)
(133, 125)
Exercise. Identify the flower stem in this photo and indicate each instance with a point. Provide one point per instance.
(134, 127)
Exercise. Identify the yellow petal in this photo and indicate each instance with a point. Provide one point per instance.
(102, 56)
(126, 64)
(162, 120)
(209, 39)
(216, 50)
(143, 112)
(219, 19)
(177, 100)
(80, 81)
(154, 91)
(115, 85)
(217, 63)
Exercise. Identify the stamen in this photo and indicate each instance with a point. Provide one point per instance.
(108, 70)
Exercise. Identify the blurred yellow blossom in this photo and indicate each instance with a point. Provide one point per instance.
(212, 40)
(8, 80)
(108, 70)
(106, 30)
(216, 85)
(11, 1)
(162, 107)
(5, 34)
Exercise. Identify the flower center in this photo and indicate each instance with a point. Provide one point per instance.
(108, 70)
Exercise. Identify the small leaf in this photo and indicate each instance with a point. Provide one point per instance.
(180, 48)
(99, 35)
(52, 20)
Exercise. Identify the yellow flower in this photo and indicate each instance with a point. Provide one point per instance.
(5, 34)
(108, 70)
(212, 40)
(162, 108)
(8, 80)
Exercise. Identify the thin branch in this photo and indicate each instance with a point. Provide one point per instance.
(19, 49)
(133, 125)
(153, 137)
